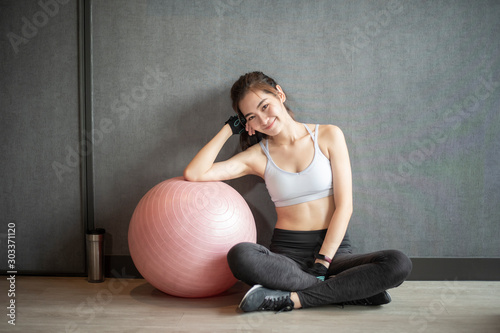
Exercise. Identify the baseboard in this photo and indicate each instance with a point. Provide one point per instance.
(464, 269)
(424, 269)
(120, 267)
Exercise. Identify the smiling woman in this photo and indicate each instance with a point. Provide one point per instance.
(258, 83)
(307, 172)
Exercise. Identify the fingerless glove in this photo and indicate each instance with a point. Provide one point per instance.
(237, 126)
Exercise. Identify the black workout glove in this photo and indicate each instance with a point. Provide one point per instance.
(237, 126)
(318, 270)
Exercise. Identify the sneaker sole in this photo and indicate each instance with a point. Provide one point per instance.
(389, 298)
(257, 286)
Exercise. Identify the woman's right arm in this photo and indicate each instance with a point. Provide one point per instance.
(203, 168)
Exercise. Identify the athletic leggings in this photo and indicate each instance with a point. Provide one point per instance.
(350, 276)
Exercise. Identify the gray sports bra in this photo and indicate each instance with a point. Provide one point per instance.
(292, 188)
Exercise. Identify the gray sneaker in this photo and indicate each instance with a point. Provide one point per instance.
(259, 298)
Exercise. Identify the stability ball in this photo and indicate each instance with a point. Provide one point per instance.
(181, 231)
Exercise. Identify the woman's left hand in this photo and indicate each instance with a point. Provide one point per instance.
(318, 270)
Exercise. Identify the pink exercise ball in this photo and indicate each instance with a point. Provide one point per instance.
(181, 231)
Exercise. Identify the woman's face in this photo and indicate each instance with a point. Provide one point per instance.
(264, 112)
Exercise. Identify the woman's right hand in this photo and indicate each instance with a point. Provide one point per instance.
(249, 129)
(237, 127)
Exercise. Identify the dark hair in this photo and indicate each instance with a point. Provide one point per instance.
(254, 81)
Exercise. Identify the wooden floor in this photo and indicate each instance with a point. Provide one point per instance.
(48, 304)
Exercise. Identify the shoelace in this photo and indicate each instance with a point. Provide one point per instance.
(281, 304)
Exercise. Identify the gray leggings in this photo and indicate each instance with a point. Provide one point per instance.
(350, 276)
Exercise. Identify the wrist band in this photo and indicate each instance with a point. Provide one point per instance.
(323, 257)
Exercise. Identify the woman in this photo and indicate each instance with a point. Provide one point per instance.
(307, 172)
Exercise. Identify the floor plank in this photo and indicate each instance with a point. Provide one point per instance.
(56, 304)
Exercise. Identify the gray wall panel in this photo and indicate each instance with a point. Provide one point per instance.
(39, 112)
(413, 84)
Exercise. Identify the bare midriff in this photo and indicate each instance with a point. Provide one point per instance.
(307, 216)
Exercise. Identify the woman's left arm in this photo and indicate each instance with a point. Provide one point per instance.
(342, 190)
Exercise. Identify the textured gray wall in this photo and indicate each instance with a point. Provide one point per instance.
(414, 85)
(39, 127)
